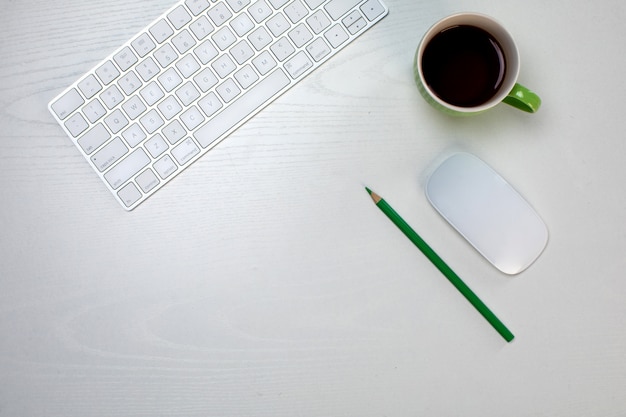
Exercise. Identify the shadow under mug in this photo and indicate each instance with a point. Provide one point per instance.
(510, 92)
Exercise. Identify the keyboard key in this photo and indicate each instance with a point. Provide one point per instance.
(357, 26)
(264, 63)
(129, 194)
(66, 105)
(260, 11)
(152, 93)
(169, 107)
(187, 94)
(134, 107)
(223, 66)
(201, 28)
(156, 145)
(242, 52)
(242, 24)
(187, 66)
(337, 8)
(129, 83)
(94, 111)
(318, 21)
(336, 36)
(372, 9)
(246, 76)
(148, 69)
(165, 166)
(278, 24)
(277, 4)
(147, 180)
(107, 72)
(111, 97)
(89, 86)
(116, 121)
(170, 80)
(220, 14)
(183, 41)
(205, 80)
(237, 5)
(151, 121)
(224, 38)
(314, 4)
(206, 52)
(197, 6)
(134, 135)
(161, 31)
(185, 152)
(296, 11)
(76, 124)
(174, 132)
(300, 35)
(210, 104)
(282, 49)
(248, 103)
(192, 118)
(109, 154)
(127, 168)
(298, 65)
(351, 18)
(94, 138)
(228, 90)
(260, 38)
(143, 45)
(318, 49)
(125, 58)
(165, 55)
(179, 17)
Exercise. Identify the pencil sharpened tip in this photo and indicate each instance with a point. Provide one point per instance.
(374, 196)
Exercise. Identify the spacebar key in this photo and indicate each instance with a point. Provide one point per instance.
(241, 108)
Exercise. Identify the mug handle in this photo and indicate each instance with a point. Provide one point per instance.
(522, 98)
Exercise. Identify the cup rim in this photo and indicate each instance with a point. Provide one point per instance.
(511, 53)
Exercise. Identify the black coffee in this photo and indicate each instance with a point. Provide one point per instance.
(464, 66)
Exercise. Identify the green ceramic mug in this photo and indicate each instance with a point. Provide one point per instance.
(454, 83)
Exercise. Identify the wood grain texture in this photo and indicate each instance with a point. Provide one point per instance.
(263, 282)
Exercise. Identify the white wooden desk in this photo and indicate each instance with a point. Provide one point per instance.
(264, 282)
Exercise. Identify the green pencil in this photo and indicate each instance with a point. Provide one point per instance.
(441, 265)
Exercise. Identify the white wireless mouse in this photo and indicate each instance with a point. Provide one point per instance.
(488, 212)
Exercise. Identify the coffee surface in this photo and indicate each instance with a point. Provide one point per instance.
(464, 66)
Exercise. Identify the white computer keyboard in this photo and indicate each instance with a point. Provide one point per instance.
(194, 75)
